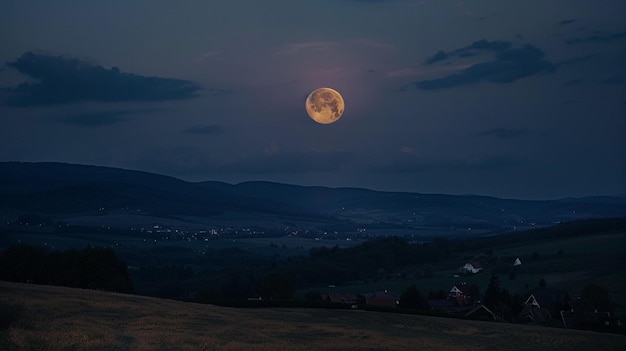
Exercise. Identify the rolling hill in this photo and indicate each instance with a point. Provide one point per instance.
(55, 318)
(66, 190)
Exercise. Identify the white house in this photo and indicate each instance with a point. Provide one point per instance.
(471, 267)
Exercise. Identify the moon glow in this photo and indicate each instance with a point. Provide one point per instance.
(325, 105)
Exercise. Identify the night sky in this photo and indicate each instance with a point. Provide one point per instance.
(515, 99)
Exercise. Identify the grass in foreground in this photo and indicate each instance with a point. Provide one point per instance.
(55, 318)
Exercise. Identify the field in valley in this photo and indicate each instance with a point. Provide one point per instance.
(54, 318)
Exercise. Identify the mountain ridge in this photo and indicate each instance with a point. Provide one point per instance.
(61, 188)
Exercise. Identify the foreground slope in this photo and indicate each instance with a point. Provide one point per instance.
(56, 318)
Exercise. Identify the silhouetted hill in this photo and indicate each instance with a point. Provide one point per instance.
(427, 209)
(67, 188)
(58, 188)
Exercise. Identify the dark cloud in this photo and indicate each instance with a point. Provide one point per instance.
(439, 56)
(509, 65)
(64, 80)
(206, 129)
(496, 45)
(97, 119)
(504, 133)
(567, 21)
(471, 50)
(597, 38)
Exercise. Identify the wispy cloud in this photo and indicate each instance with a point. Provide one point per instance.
(470, 50)
(65, 80)
(598, 38)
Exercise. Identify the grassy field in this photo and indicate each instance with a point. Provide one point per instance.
(55, 318)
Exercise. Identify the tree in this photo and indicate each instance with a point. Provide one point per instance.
(444, 245)
(493, 292)
(412, 298)
(512, 275)
(499, 300)
(90, 268)
(439, 294)
(277, 286)
(474, 293)
(24, 263)
(598, 297)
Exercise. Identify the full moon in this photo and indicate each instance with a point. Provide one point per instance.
(324, 105)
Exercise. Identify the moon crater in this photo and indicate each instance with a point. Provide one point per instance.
(325, 105)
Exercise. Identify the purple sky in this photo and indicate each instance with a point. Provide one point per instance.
(516, 99)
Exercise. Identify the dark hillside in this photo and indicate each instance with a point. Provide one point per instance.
(58, 188)
(414, 209)
(54, 318)
(67, 188)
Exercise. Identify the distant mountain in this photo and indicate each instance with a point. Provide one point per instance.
(58, 188)
(427, 208)
(67, 188)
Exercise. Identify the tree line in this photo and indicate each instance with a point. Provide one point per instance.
(88, 268)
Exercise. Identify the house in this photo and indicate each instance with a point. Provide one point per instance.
(447, 306)
(457, 296)
(345, 299)
(381, 299)
(587, 320)
(459, 301)
(517, 262)
(481, 312)
(462, 294)
(538, 309)
(472, 267)
(580, 315)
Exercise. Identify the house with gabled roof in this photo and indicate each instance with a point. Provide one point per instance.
(382, 299)
(472, 267)
(581, 315)
(459, 301)
(461, 294)
(340, 298)
(538, 308)
(481, 312)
